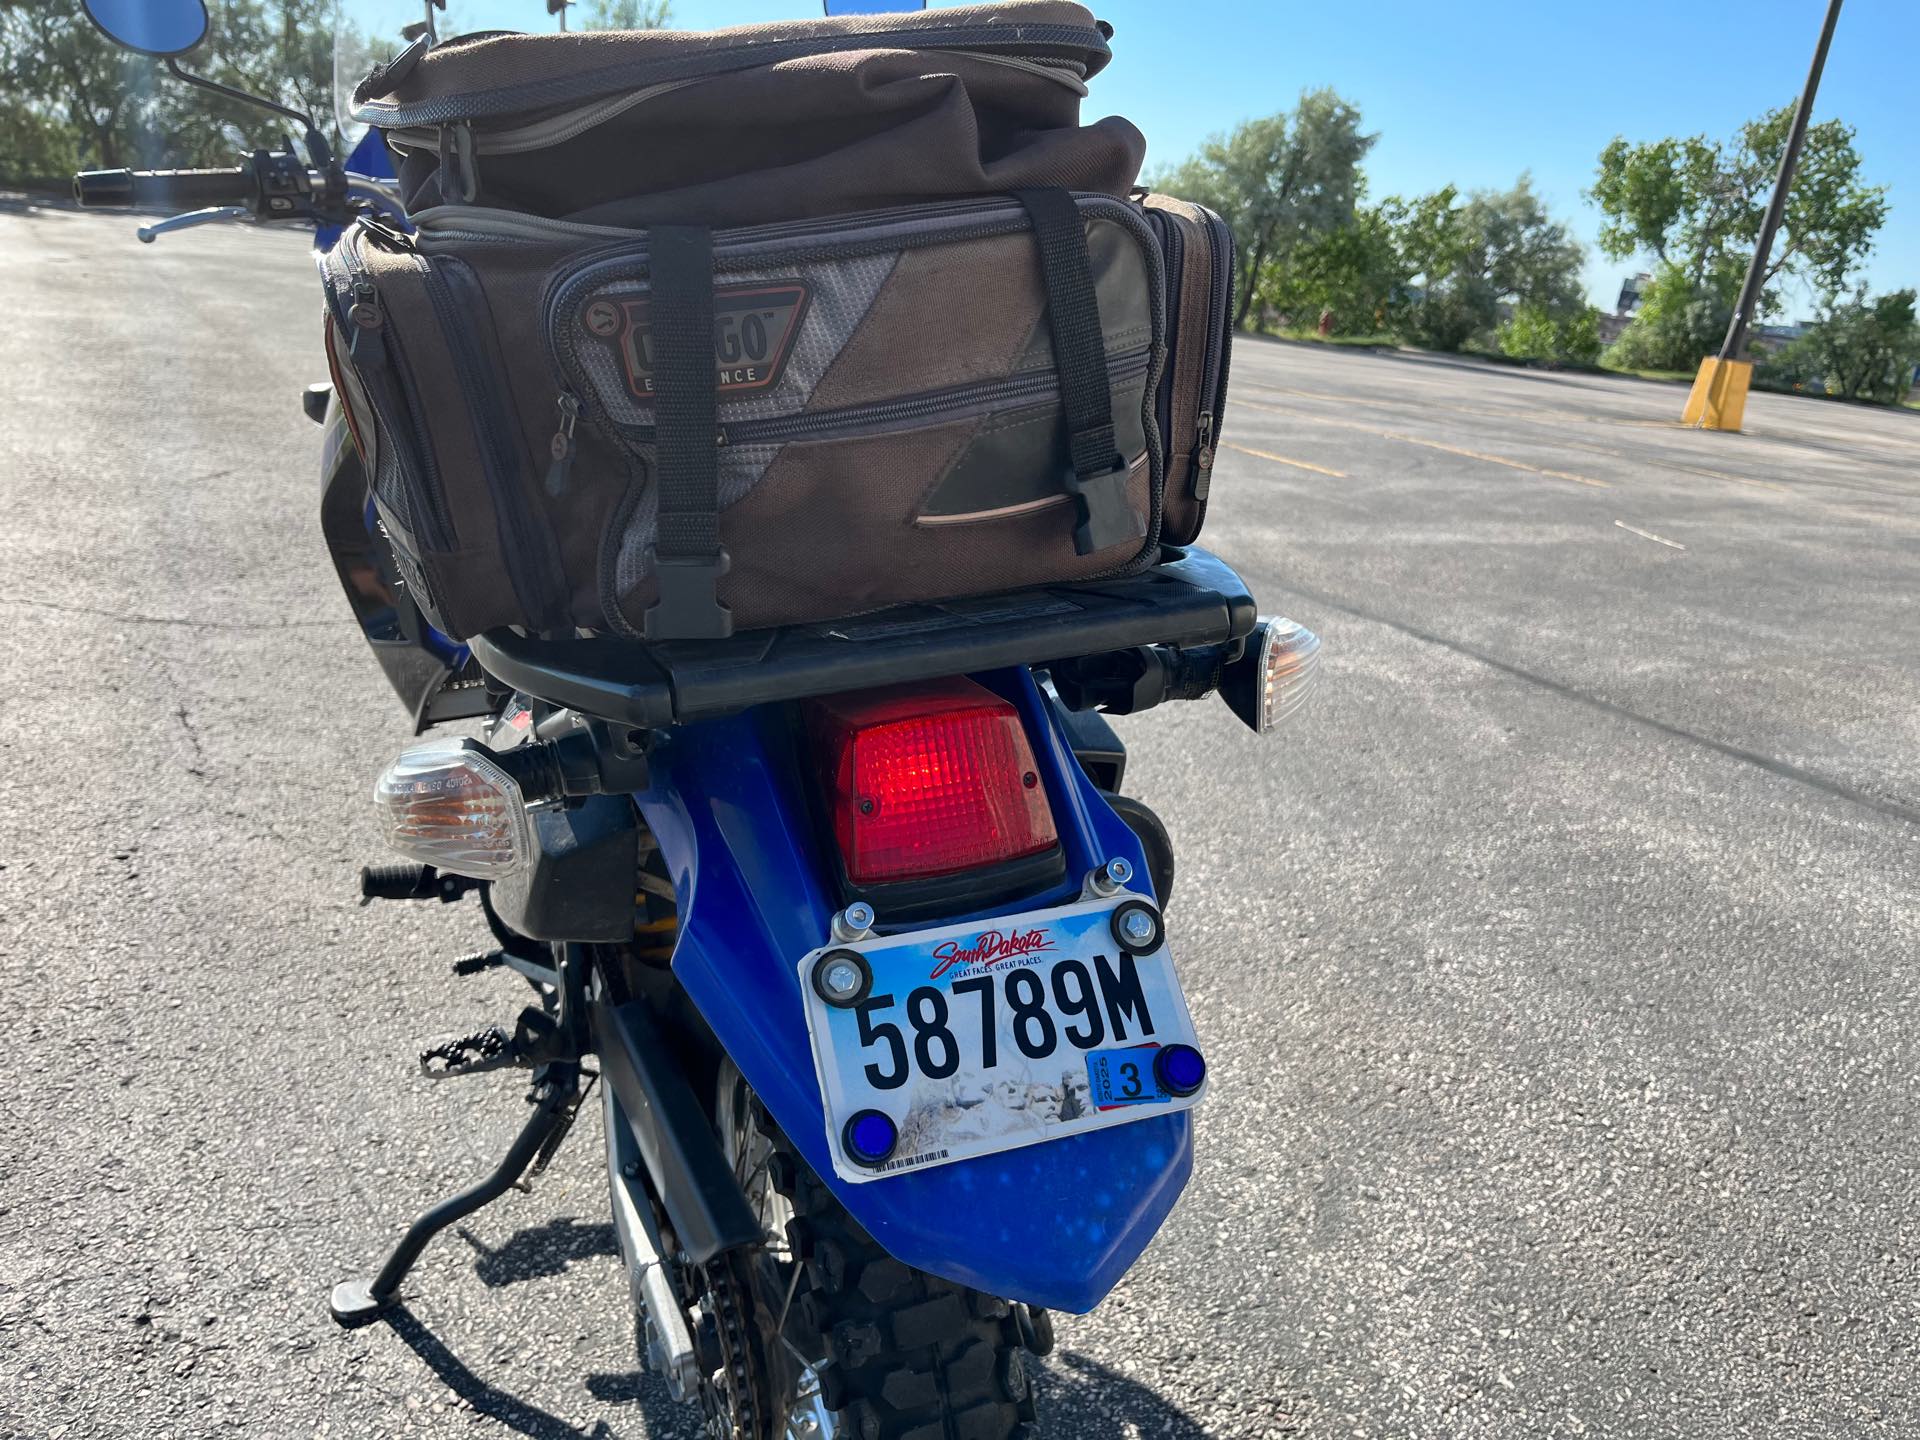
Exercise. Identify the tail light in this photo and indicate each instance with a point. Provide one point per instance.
(451, 805)
(1275, 676)
(929, 780)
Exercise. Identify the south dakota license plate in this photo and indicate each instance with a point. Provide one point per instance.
(945, 1044)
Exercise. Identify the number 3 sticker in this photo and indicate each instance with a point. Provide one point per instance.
(1123, 1077)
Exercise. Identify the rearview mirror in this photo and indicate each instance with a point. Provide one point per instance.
(161, 28)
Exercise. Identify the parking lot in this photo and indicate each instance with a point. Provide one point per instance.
(1555, 967)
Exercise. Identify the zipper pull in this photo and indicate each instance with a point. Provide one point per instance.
(562, 446)
(365, 310)
(1202, 456)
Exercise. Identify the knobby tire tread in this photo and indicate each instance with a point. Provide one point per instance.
(914, 1357)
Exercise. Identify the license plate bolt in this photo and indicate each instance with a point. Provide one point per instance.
(842, 978)
(853, 923)
(1111, 878)
(1137, 927)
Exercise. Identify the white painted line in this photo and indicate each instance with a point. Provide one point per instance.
(1649, 535)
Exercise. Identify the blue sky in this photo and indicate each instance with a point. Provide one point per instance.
(1473, 94)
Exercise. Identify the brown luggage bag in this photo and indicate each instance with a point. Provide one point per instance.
(784, 373)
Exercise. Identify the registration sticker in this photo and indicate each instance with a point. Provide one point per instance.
(1124, 1077)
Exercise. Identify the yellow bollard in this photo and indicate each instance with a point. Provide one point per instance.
(1718, 400)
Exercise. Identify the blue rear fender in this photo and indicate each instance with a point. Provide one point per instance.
(1055, 1224)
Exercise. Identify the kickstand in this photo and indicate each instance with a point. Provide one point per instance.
(556, 1089)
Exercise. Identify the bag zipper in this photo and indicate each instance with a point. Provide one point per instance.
(952, 403)
(1174, 242)
(372, 346)
(721, 60)
(533, 570)
(540, 134)
(544, 134)
(439, 223)
(853, 421)
(1213, 381)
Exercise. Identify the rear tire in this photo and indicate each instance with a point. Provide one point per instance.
(914, 1357)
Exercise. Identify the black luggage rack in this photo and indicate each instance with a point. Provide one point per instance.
(1190, 598)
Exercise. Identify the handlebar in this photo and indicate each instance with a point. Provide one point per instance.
(165, 189)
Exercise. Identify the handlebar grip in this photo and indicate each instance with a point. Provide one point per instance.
(164, 189)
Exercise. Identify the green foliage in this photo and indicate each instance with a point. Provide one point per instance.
(1535, 333)
(70, 98)
(624, 14)
(1679, 321)
(1860, 349)
(1461, 262)
(1698, 204)
(1350, 274)
(1278, 182)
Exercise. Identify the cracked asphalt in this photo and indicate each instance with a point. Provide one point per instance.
(1556, 966)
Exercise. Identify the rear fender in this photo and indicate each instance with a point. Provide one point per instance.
(1055, 1224)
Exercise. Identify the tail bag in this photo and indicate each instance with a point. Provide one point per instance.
(612, 382)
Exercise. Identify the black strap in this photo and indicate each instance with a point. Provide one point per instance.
(688, 560)
(1098, 480)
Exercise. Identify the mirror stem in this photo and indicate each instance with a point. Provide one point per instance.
(319, 153)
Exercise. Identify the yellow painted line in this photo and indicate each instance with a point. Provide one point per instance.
(1530, 415)
(1283, 460)
(1511, 464)
(1552, 418)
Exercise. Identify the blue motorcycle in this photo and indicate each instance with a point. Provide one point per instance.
(852, 926)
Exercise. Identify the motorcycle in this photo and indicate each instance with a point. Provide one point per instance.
(852, 925)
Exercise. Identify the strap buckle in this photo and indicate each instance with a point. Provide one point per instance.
(689, 606)
(1103, 515)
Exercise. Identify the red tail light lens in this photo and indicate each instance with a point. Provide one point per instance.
(930, 780)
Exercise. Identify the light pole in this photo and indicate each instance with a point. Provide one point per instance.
(1719, 398)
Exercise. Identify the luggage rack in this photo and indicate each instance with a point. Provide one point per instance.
(1190, 598)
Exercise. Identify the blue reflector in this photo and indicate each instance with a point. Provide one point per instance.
(870, 1137)
(1180, 1069)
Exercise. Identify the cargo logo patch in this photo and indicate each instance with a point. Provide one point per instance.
(753, 331)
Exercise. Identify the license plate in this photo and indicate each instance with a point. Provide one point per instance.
(972, 1039)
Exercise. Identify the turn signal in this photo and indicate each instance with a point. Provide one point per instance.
(450, 805)
(1275, 676)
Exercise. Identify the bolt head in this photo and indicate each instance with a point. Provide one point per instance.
(1137, 926)
(860, 915)
(841, 978)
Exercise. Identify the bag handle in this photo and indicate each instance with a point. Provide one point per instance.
(687, 558)
(1097, 479)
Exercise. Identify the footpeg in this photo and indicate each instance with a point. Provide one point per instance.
(412, 882)
(475, 1054)
(536, 1040)
(481, 960)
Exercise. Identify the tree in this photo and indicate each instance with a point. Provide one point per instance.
(1464, 261)
(1679, 320)
(1351, 274)
(70, 97)
(1860, 349)
(1536, 333)
(1279, 182)
(1697, 204)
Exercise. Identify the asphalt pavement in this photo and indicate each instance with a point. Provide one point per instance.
(1555, 967)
